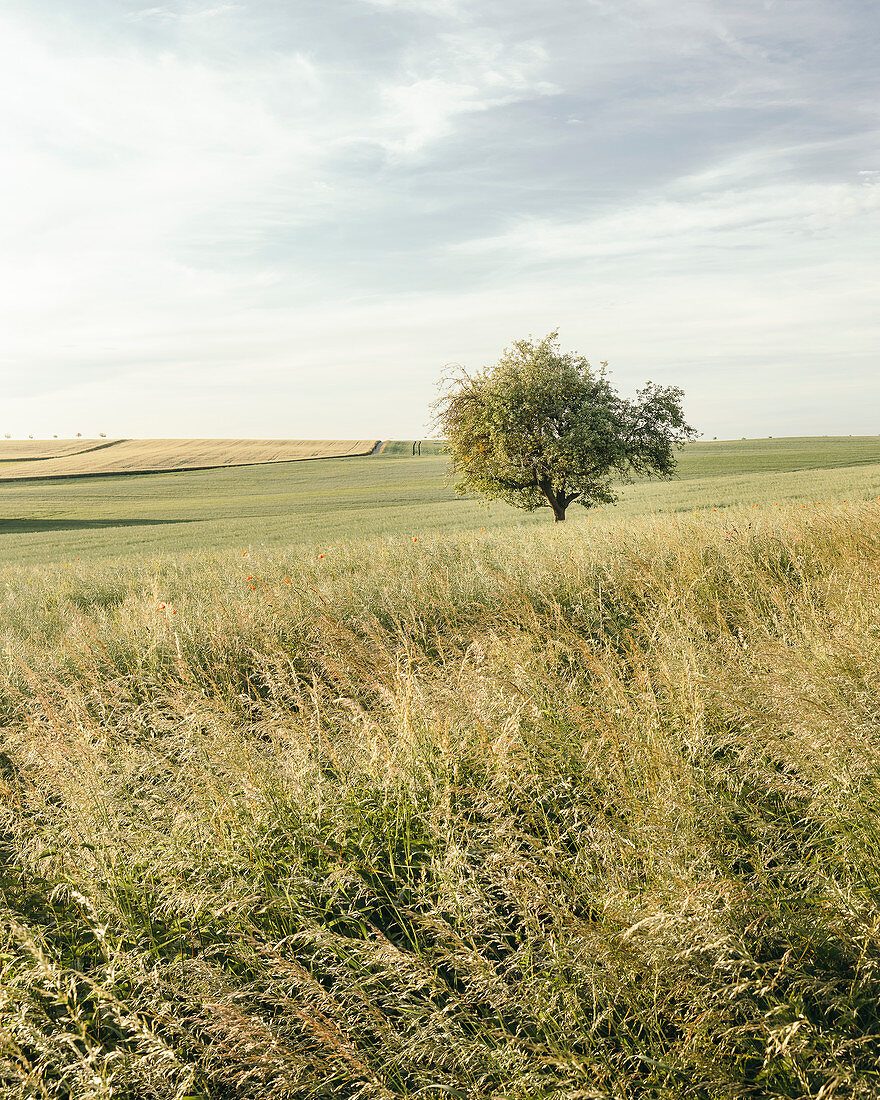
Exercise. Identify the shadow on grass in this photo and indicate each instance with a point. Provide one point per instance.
(29, 526)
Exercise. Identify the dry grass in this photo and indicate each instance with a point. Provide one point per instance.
(128, 456)
(525, 815)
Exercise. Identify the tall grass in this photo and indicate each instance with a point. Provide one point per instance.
(556, 814)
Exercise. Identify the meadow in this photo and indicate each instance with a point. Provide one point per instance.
(390, 495)
(470, 806)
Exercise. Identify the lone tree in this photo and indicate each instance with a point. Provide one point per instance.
(543, 428)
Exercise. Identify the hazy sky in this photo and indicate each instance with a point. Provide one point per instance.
(284, 217)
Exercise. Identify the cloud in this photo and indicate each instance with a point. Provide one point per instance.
(336, 199)
(477, 75)
(212, 12)
(449, 9)
(187, 14)
(147, 14)
(688, 218)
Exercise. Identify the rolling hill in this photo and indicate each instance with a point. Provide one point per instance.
(78, 458)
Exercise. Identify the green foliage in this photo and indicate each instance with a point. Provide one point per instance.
(542, 428)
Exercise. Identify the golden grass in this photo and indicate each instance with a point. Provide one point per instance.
(518, 814)
(129, 456)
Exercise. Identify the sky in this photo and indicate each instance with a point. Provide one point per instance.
(285, 218)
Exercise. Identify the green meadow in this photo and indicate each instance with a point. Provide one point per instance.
(317, 783)
(317, 503)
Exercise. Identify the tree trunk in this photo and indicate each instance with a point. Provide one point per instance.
(557, 501)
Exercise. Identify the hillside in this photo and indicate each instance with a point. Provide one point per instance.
(23, 450)
(732, 456)
(128, 456)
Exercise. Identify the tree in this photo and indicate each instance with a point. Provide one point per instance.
(543, 428)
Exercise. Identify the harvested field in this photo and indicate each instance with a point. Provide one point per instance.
(19, 450)
(129, 456)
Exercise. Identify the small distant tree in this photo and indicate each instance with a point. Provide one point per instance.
(30, 437)
(102, 435)
(542, 428)
(79, 435)
(6, 435)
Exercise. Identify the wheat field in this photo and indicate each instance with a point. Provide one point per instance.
(127, 456)
(24, 450)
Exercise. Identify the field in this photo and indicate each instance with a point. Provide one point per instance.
(443, 802)
(22, 450)
(391, 495)
(127, 456)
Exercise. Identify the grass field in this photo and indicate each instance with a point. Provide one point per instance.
(528, 812)
(316, 782)
(316, 504)
(127, 456)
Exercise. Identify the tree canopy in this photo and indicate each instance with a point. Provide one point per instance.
(543, 428)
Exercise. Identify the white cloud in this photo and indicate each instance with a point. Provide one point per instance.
(147, 14)
(212, 12)
(205, 196)
(762, 217)
(190, 13)
(421, 113)
(458, 75)
(454, 9)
